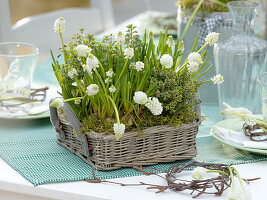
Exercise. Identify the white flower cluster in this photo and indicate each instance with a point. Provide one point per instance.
(92, 89)
(139, 66)
(77, 101)
(120, 38)
(217, 79)
(110, 73)
(112, 89)
(128, 53)
(152, 104)
(59, 25)
(82, 50)
(166, 61)
(239, 193)
(72, 73)
(170, 41)
(212, 38)
(91, 64)
(118, 129)
(240, 113)
(199, 173)
(194, 61)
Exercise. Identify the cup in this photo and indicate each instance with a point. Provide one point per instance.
(17, 61)
(262, 81)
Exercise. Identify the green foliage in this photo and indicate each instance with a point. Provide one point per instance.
(207, 5)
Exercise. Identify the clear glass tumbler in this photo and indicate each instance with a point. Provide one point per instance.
(17, 61)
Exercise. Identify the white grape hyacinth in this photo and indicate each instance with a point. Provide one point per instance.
(107, 80)
(110, 73)
(212, 38)
(112, 89)
(199, 173)
(170, 41)
(72, 73)
(139, 66)
(92, 89)
(195, 57)
(82, 50)
(192, 66)
(92, 62)
(87, 69)
(217, 79)
(154, 106)
(77, 101)
(140, 98)
(59, 25)
(120, 38)
(239, 194)
(128, 53)
(118, 129)
(166, 61)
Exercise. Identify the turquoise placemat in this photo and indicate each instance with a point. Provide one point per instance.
(30, 148)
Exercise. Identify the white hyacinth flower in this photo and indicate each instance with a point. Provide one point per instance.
(140, 97)
(192, 66)
(128, 53)
(170, 41)
(87, 69)
(59, 25)
(212, 38)
(107, 80)
(118, 129)
(74, 84)
(181, 46)
(82, 50)
(218, 79)
(120, 38)
(240, 113)
(58, 103)
(199, 173)
(112, 89)
(139, 66)
(72, 73)
(239, 194)
(92, 62)
(154, 106)
(110, 73)
(166, 61)
(195, 57)
(132, 65)
(77, 101)
(92, 89)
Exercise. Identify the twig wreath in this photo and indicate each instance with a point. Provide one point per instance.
(220, 183)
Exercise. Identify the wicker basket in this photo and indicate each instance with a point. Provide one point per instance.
(103, 152)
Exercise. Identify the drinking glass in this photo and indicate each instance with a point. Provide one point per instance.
(17, 61)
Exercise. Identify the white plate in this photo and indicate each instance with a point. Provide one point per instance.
(235, 127)
(38, 110)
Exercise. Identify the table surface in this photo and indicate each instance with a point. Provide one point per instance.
(14, 187)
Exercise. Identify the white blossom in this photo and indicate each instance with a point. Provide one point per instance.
(199, 173)
(140, 97)
(92, 89)
(217, 79)
(59, 25)
(212, 38)
(240, 113)
(74, 84)
(170, 41)
(192, 66)
(166, 61)
(195, 57)
(181, 46)
(110, 73)
(154, 106)
(112, 89)
(239, 194)
(72, 73)
(107, 80)
(92, 62)
(87, 69)
(128, 53)
(77, 101)
(139, 66)
(82, 50)
(132, 65)
(120, 38)
(118, 129)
